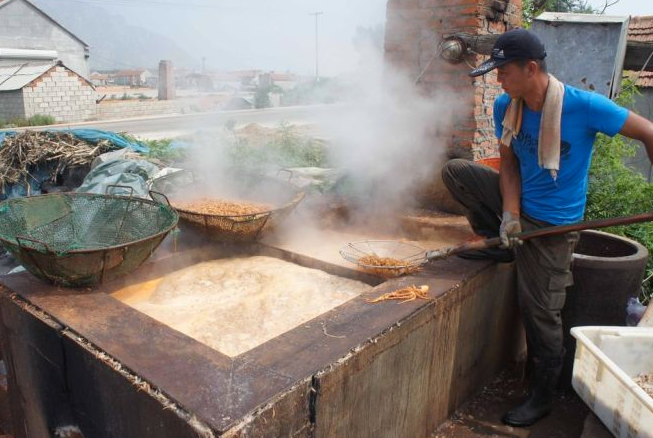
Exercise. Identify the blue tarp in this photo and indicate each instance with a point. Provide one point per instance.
(3, 134)
(91, 136)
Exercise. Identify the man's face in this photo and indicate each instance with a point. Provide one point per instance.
(515, 79)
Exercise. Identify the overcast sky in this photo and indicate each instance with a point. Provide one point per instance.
(625, 7)
(274, 34)
(268, 34)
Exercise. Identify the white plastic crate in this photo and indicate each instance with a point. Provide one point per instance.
(607, 358)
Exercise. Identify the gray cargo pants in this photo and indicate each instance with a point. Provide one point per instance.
(543, 264)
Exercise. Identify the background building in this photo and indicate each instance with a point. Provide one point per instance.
(28, 34)
(45, 88)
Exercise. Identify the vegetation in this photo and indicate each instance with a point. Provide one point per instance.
(326, 90)
(35, 120)
(287, 148)
(533, 8)
(41, 120)
(162, 149)
(616, 190)
(262, 98)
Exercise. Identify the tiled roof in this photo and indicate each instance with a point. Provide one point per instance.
(645, 79)
(641, 29)
(15, 77)
(283, 77)
(135, 72)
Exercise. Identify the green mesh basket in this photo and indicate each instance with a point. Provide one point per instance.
(81, 239)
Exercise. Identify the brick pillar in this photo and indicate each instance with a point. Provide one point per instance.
(414, 30)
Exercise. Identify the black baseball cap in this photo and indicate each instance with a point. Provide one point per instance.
(510, 46)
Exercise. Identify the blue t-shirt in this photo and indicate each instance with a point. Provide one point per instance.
(584, 114)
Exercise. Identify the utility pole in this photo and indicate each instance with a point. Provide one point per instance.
(317, 71)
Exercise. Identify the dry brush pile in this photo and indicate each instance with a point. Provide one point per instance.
(24, 152)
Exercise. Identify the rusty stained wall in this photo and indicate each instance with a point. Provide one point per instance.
(414, 29)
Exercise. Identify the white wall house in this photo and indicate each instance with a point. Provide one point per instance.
(27, 34)
(133, 78)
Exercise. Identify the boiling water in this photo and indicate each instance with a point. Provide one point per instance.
(234, 305)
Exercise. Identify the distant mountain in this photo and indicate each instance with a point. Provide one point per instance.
(115, 44)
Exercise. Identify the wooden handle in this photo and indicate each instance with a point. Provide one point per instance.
(548, 231)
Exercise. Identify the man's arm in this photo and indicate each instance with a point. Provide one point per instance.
(510, 181)
(638, 128)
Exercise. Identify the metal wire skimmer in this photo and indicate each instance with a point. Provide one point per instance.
(387, 258)
(80, 239)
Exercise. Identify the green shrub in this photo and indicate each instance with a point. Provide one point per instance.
(163, 150)
(41, 120)
(160, 149)
(286, 149)
(35, 120)
(262, 98)
(17, 122)
(615, 190)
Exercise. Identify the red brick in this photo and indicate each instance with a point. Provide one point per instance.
(443, 3)
(464, 22)
(413, 4)
(457, 10)
(416, 14)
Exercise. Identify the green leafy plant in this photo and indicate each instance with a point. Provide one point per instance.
(35, 120)
(41, 120)
(533, 8)
(616, 190)
(161, 149)
(262, 98)
(287, 148)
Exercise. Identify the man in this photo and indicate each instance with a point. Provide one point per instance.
(546, 131)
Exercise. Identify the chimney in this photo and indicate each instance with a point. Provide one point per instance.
(166, 81)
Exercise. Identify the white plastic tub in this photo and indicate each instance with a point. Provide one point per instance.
(606, 360)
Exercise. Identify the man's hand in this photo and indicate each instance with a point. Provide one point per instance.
(510, 225)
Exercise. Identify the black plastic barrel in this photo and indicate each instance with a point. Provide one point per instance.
(608, 270)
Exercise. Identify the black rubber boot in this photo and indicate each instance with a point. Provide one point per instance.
(541, 399)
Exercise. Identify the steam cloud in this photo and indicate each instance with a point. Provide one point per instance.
(391, 138)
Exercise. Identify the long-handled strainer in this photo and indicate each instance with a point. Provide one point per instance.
(393, 258)
(387, 258)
